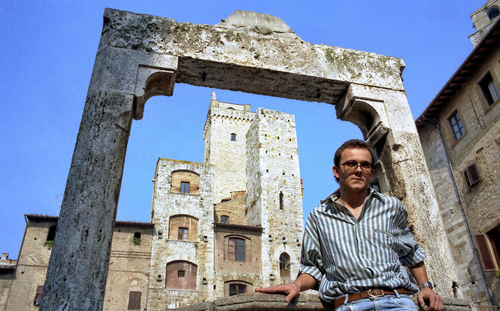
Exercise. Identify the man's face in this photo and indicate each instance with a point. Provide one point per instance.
(355, 170)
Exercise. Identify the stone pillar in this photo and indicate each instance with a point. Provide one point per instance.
(385, 119)
(122, 79)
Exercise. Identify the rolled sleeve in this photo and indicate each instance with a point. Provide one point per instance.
(410, 252)
(311, 261)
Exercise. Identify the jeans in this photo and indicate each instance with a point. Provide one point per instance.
(389, 302)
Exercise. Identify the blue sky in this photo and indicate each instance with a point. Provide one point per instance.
(47, 54)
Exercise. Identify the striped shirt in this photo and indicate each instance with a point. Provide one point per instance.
(348, 255)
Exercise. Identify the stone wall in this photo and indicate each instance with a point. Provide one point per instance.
(32, 265)
(228, 270)
(480, 145)
(128, 266)
(263, 302)
(7, 276)
(274, 199)
(166, 248)
(233, 207)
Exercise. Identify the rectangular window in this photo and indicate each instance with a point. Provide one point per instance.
(236, 249)
(134, 300)
(38, 295)
(472, 175)
(456, 125)
(184, 186)
(235, 289)
(181, 274)
(489, 89)
(182, 233)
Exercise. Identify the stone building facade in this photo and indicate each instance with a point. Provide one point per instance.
(459, 132)
(217, 228)
(7, 274)
(219, 225)
(127, 281)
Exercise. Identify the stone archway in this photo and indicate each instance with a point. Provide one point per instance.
(141, 56)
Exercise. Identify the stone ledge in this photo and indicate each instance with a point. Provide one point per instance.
(259, 301)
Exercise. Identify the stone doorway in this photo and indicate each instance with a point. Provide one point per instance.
(141, 56)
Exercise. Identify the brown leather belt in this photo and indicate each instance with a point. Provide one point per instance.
(372, 293)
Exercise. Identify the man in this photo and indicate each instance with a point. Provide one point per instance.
(356, 242)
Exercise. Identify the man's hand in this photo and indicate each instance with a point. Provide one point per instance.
(429, 300)
(291, 290)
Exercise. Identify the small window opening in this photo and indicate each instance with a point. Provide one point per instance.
(472, 175)
(456, 125)
(233, 136)
(51, 235)
(181, 273)
(184, 186)
(284, 266)
(224, 219)
(489, 89)
(38, 296)
(493, 12)
(281, 200)
(182, 233)
(137, 238)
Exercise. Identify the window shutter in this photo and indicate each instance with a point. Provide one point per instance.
(484, 251)
(134, 301)
(472, 175)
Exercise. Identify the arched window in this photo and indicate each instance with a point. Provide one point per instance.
(181, 275)
(236, 249)
(184, 181)
(236, 287)
(233, 136)
(284, 266)
(183, 228)
(224, 219)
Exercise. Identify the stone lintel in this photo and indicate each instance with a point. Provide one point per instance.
(278, 64)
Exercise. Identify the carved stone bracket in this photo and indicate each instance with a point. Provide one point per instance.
(151, 81)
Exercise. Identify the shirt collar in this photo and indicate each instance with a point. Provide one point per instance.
(330, 200)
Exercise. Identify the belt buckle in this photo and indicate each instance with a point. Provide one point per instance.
(371, 295)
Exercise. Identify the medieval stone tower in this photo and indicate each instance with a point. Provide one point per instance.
(233, 222)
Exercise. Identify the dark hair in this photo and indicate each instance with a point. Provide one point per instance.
(354, 143)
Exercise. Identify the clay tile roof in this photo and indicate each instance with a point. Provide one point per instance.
(37, 217)
(468, 68)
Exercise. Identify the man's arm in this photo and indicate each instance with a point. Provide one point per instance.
(303, 282)
(427, 298)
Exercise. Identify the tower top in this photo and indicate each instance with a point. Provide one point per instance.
(214, 103)
(483, 19)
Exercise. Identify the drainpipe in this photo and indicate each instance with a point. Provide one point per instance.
(462, 210)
